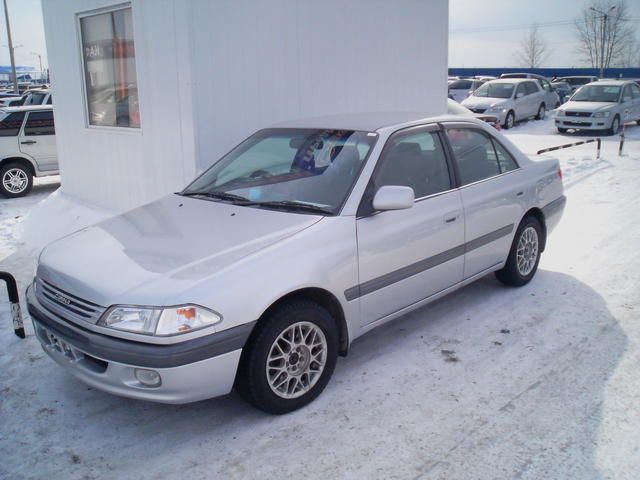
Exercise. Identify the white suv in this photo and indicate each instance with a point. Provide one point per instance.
(27, 148)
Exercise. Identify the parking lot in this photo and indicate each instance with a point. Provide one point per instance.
(490, 382)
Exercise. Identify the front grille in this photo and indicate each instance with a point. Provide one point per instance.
(577, 124)
(478, 110)
(65, 304)
(578, 114)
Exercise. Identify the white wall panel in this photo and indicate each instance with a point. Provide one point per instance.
(210, 72)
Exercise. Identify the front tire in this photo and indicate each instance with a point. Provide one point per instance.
(615, 126)
(509, 121)
(524, 255)
(562, 130)
(16, 180)
(289, 358)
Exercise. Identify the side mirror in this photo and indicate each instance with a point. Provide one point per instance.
(519, 95)
(393, 197)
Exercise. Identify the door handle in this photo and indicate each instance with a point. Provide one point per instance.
(450, 218)
(519, 194)
(28, 142)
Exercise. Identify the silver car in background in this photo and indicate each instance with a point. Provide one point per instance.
(300, 240)
(510, 100)
(602, 105)
(462, 88)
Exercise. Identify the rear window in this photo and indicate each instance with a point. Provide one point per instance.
(10, 124)
(460, 85)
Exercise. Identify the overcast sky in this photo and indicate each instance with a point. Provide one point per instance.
(483, 33)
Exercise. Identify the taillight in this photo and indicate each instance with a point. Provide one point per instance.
(559, 173)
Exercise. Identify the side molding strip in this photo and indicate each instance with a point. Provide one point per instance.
(422, 265)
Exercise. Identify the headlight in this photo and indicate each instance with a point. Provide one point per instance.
(159, 321)
(601, 114)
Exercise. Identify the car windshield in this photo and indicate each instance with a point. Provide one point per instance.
(495, 90)
(597, 93)
(303, 170)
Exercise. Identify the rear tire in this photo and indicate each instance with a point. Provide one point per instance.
(524, 255)
(541, 112)
(289, 359)
(562, 130)
(509, 121)
(16, 180)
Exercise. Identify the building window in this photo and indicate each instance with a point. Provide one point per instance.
(110, 69)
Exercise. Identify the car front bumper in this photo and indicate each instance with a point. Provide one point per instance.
(189, 371)
(583, 123)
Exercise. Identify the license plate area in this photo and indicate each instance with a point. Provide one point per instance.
(59, 345)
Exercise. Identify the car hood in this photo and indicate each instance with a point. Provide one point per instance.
(588, 106)
(145, 255)
(484, 102)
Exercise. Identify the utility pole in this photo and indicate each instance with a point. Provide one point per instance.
(39, 60)
(14, 76)
(605, 18)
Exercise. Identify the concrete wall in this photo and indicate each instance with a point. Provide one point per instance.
(210, 72)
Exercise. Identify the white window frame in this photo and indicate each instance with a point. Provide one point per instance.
(85, 99)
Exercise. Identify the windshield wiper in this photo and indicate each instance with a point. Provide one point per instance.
(292, 206)
(230, 197)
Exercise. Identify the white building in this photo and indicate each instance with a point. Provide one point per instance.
(150, 92)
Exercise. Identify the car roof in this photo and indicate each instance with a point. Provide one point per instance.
(26, 108)
(611, 83)
(369, 122)
(512, 80)
(579, 76)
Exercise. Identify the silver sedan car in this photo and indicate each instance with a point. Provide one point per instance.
(301, 239)
(603, 105)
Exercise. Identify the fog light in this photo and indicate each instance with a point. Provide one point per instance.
(149, 378)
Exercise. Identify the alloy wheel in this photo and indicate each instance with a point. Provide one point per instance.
(296, 360)
(527, 252)
(15, 180)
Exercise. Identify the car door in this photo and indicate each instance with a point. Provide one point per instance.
(626, 105)
(493, 190)
(535, 97)
(405, 256)
(635, 92)
(38, 140)
(521, 106)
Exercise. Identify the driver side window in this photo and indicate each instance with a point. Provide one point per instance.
(626, 94)
(416, 160)
(521, 90)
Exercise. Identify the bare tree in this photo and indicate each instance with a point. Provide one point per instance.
(610, 46)
(533, 49)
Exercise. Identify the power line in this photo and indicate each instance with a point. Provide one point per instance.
(505, 28)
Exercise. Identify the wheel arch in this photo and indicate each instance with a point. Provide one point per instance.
(21, 160)
(538, 214)
(325, 299)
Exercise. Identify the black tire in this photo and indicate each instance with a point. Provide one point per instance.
(637, 122)
(542, 111)
(12, 169)
(251, 380)
(562, 130)
(509, 120)
(614, 123)
(511, 275)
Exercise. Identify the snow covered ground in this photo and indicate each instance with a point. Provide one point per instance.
(489, 383)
